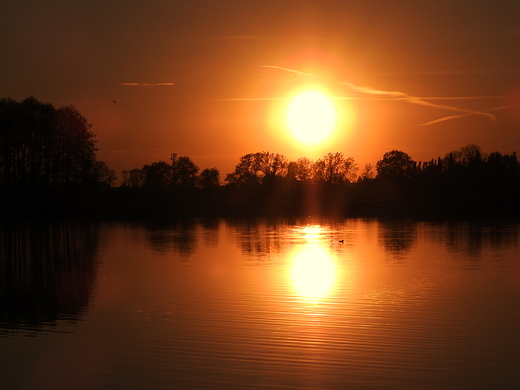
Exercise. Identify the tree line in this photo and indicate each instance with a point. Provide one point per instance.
(181, 172)
(253, 169)
(465, 167)
(464, 180)
(48, 157)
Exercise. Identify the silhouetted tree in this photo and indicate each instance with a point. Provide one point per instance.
(75, 144)
(472, 154)
(254, 168)
(463, 171)
(41, 146)
(498, 162)
(158, 174)
(104, 174)
(334, 168)
(300, 169)
(209, 178)
(502, 175)
(185, 172)
(125, 175)
(246, 171)
(396, 164)
(368, 173)
(469, 155)
(273, 164)
(136, 176)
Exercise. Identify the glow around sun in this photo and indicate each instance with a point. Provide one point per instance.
(311, 117)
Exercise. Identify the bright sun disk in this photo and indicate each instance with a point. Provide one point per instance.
(311, 117)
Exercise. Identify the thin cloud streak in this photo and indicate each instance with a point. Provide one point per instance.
(468, 97)
(146, 84)
(294, 71)
(398, 95)
(249, 99)
(503, 107)
(446, 118)
(467, 114)
(419, 101)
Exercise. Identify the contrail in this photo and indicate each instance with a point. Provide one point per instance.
(146, 84)
(446, 118)
(466, 112)
(503, 107)
(294, 71)
(398, 95)
(249, 99)
(470, 112)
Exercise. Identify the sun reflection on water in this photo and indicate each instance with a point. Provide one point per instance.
(313, 268)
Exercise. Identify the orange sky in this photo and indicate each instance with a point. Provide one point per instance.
(210, 79)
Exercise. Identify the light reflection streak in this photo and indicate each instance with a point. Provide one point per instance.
(312, 273)
(312, 266)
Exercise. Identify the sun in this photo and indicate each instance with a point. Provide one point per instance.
(311, 117)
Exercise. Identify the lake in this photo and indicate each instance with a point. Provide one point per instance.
(244, 304)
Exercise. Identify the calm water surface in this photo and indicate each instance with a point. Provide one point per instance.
(284, 304)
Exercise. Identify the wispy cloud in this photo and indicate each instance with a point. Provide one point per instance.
(443, 119)
(468, 113)
(503, 107)
(237, 37)
(250, 99)
(294, 71)
(146, 84)
(399, 95)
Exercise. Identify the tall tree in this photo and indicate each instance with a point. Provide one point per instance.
(209, 178)
(395, 164)
(158, 174)
(368, 172)
(41, 146)
(75, 143)
(334, 168)
(185, 172)
(273, 164)
(255, 168)
(125, 176)
(301, 169)
(104, 174)
(246, 171)
(136, 176)
(472, 154)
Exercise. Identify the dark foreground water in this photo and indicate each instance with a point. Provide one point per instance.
(284, 304)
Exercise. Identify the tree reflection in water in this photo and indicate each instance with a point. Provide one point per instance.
(468, 238)
(261, 240)
(472, 237)
(178, 236)
(397, 238)
(47, 273)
